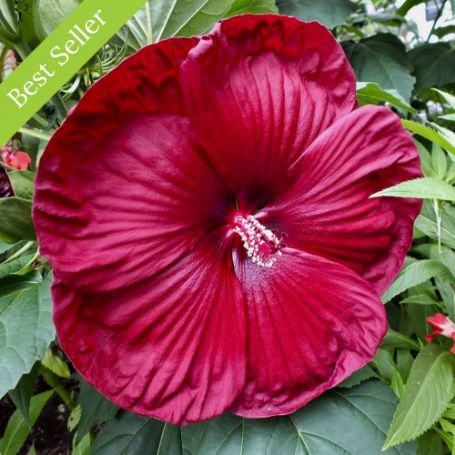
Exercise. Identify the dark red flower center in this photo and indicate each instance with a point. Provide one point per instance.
(260, 243)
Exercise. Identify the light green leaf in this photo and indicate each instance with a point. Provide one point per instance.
(22, 183)
(414, 274)
(252, 6)
(381, 59)
(398, 340)
(427, 394)
(83, 447)
(55, 364)
(423, 188)
(341, 422)
(18, 429)
(450, 99)
(48, 14)
(96, 409)
(371, 93)
(328, 12)
(428, 133)
(26, 329)
(434, 65)
(8, 268)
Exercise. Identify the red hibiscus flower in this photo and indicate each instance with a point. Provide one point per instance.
(206, 210)
(15, 158)
(443, 326)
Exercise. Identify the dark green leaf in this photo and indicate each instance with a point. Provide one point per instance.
(382, 59)
(328, 12)
(95, 409)
(427, 394)
(18, 429)
(430, 444)
(16, 220)
(26, 329)
(434, 65)
(22, 393)
(341, 422)
(358, 377)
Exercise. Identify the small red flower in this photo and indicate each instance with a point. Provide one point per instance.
(444, 326)
(206, 210)
(15, 158)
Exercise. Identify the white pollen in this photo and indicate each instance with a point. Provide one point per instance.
(260, 243)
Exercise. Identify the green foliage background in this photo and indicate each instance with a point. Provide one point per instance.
(403, 401)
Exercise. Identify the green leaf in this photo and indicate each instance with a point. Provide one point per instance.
(252, 6)
(160, 19)
(427, 394)
(358, 377)
(18, 429)
(83, 447)
(22, 183)
(16, 220)
(398, 340)
(328, 12)
(430, 444)
(426, 222)
(414, 274)
(55, 364)
(10, 267)
(48, 14)
(423, 188)
(450, 99)
(434, 65)
(22, 393)
(95, 407)
(381, 59)
(371, 93)
(343, 421)
(428, 133)
(407, 5)
(26, 329)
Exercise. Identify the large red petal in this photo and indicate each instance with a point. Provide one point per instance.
(172, 347)
(328, 211)
(259, 89)
(310, 324)
(117, 204)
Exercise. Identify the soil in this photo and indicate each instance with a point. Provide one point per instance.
(49, 435)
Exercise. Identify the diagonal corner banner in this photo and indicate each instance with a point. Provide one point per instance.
(55, 61)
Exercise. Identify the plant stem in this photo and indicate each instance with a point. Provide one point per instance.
(438, 16)
(35, 133)
(52, 380)
(26, 247)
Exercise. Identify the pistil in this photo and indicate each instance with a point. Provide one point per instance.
(260, 243)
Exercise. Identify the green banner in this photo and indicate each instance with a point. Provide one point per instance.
(58, 58)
